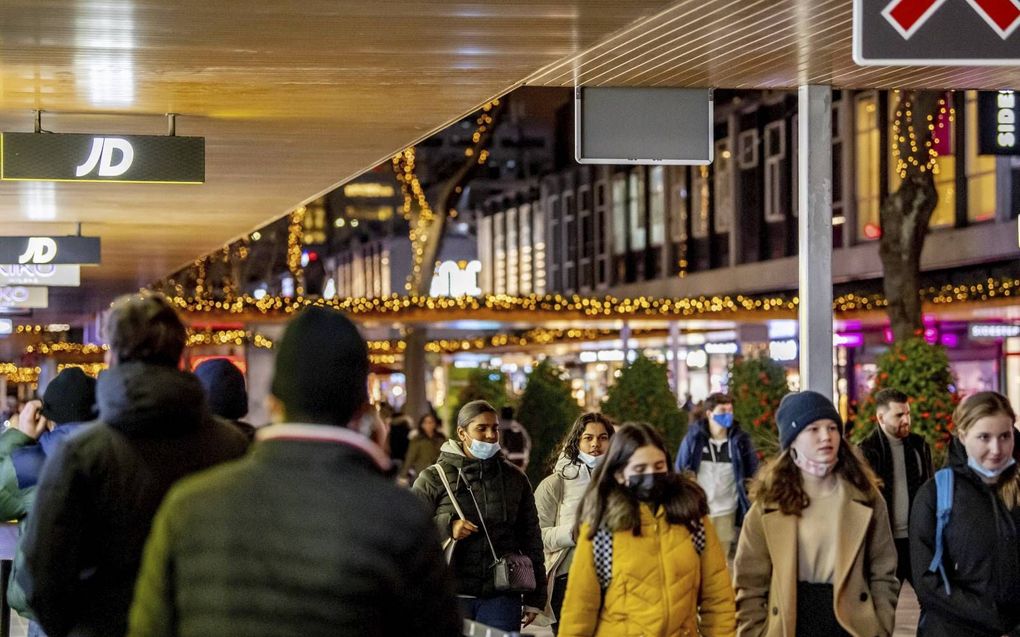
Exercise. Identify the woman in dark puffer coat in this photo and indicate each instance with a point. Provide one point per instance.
(474, 466)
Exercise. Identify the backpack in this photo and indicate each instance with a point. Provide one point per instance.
(944, 507)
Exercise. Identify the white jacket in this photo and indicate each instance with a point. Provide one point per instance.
(558, 499)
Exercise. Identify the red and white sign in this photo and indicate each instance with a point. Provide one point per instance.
(907, 16)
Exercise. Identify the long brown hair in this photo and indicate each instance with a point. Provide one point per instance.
(982, 405)
(779, 481)
(570, 444)
(685, 503)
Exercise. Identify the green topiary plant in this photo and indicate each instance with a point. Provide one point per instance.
(757, 385)
(921, 371)
(642, 393)
(482, 384)
(547, 410)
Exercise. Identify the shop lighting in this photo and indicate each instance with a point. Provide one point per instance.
(783, 351)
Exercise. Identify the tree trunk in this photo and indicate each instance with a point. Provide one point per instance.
(906, 213)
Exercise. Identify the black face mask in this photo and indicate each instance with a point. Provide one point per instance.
(648, 487)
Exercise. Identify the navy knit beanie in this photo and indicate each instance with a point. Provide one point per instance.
(224, 388)
(798, 410)
(70, 397)
(321, 367)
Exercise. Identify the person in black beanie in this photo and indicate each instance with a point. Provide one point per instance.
(307, 535)
(224, 389)
(816, 544)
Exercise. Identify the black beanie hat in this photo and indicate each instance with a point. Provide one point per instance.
(70, 397)
(224, 388)
(321, 367)
(798, 410)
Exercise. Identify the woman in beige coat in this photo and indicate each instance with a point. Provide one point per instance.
(816, 555)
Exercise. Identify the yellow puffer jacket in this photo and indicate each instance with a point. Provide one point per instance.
(660, 586)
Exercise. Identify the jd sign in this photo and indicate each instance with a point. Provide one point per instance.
(936, 32)
(121, 158)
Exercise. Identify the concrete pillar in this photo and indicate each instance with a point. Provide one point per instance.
(815, 243)
(674, 363)
(415, 373)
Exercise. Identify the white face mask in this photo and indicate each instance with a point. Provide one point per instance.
(483, 450)
(588, 459)
(990, 474)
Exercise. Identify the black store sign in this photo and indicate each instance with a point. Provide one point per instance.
(55, 250)
(97, 158)
(998, 117)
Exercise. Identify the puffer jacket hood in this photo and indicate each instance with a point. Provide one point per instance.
(142, 399)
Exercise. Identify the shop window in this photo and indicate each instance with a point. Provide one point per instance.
(981, 202)
(657, 201)
(603, 234)
(512, 255)
(636, 209)
(867, 150)
(527, 263)
(538, 235)
(555, 248)
(700, 203)
(620, 214)
(499, 242)
(775, 154)
(723, 185)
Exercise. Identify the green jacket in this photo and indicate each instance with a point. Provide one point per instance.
(301, 538)
(15, 503)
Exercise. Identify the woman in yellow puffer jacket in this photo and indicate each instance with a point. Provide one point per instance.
(647, 560)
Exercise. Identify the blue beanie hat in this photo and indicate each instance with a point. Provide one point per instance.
(224, 388)
(798, 410)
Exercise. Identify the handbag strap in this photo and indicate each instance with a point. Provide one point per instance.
(449, 491)
(480, 516)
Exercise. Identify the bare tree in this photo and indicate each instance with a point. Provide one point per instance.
(906, 213)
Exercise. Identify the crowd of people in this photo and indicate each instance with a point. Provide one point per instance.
(148, 507)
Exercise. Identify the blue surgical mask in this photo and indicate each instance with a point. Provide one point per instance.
(724, 420)
(483, 450)
(588, 459)
(990, 474)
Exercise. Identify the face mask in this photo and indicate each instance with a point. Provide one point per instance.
(990, 474)
(648, 487)
(588, 459)
(483, 450)
(724, 420)
(810, 467)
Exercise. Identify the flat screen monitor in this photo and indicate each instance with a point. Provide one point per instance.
(625, 125)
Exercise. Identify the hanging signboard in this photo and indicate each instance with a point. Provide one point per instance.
(165, 159)
(997, 123)
(936, 32)
(48, 275)
(21, 297)
(49, 250)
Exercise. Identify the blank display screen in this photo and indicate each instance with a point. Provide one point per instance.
(617, 125)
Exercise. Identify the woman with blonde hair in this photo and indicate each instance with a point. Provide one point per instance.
(967, 565)
(647, 560)
(816, 554)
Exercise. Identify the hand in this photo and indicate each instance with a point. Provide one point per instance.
(30, 421)
(527, 617)
(463, 529)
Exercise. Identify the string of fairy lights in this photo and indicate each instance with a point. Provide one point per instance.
(413, 193)
(936, 125)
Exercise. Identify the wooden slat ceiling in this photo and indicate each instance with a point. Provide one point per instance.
(750, 44)
(297, 96)
(292, 96)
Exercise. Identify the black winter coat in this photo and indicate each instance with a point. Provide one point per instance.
(100, 490)
(981, 555)
(508, 505)
(916, 459)
(301, 538)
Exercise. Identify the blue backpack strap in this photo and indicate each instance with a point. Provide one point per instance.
(603, 549)
(944, 507)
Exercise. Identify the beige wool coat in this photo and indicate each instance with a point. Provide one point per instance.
(865, 588)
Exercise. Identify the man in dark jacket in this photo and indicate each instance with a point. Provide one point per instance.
(903, 461)
(224, 389)
(306, 536)
(100, 489)
(723, 458)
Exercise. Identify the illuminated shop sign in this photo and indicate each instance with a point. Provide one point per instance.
(49, 250)
(453, 278)
(123, 159)
(49, 275)
(997, 123)
(21, 297)
(992, 330)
